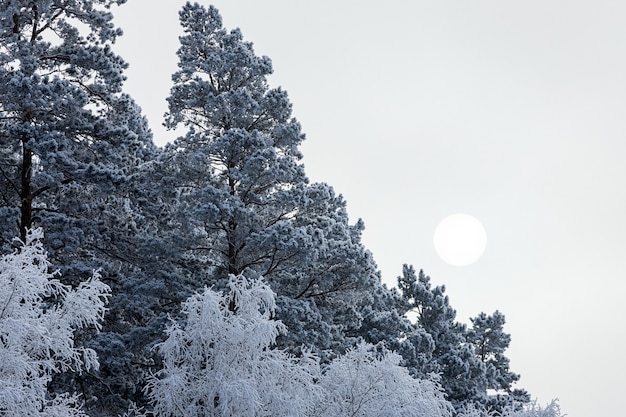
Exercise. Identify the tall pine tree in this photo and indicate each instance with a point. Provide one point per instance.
(239, 193)
(71, 144)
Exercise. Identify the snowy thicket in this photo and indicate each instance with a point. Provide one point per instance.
(38, 320)
(529, 410)
(221, 362)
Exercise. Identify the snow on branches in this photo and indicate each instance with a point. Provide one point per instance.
(221, 363)
(38, 318)
(368, 381)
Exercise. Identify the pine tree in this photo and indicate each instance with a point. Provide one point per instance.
(59, 104)
(385, 321)
(462, 373)
(240, 196)
(71, 147)
(490, 342)
(236, 168)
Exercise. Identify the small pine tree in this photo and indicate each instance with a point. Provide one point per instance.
(490, 342)
(462, 373)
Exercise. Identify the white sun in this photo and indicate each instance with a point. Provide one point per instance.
(460, 239)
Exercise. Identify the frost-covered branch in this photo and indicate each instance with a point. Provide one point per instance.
(221, 362)
(37, 325)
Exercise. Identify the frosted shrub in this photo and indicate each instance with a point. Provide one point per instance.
(220, 362)
(369, 382)
(529, 410)
(38, 319)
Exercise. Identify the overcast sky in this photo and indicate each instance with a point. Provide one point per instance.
(511, 111)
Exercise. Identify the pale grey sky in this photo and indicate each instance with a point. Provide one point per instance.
(513, 112)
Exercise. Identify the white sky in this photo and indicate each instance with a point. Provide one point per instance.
(513, 112)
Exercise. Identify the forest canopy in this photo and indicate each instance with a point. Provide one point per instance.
(208, 277)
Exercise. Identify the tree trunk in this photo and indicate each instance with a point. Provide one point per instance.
(26, 217)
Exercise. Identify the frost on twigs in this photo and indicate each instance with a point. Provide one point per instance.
(221, 363)
(38, 318)
(532, 409)
(368, 381)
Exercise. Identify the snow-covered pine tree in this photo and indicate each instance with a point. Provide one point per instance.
(39, 317)
(324, 296)
(240, 195)
(462, 373)
(59, 104)
(237, 169)
(490, 343)
(109, 227)
(71, 144)
(385, 321)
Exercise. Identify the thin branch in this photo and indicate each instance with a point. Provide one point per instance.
(13, 185)
(34, 33)
(52, 19)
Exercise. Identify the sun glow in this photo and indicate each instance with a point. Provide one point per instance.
(460, 239)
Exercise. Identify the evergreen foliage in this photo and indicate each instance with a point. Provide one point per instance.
(240, 195)
(462, 373)
(60, 105)
(490, 342)
(71, 143)
(470, 361)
